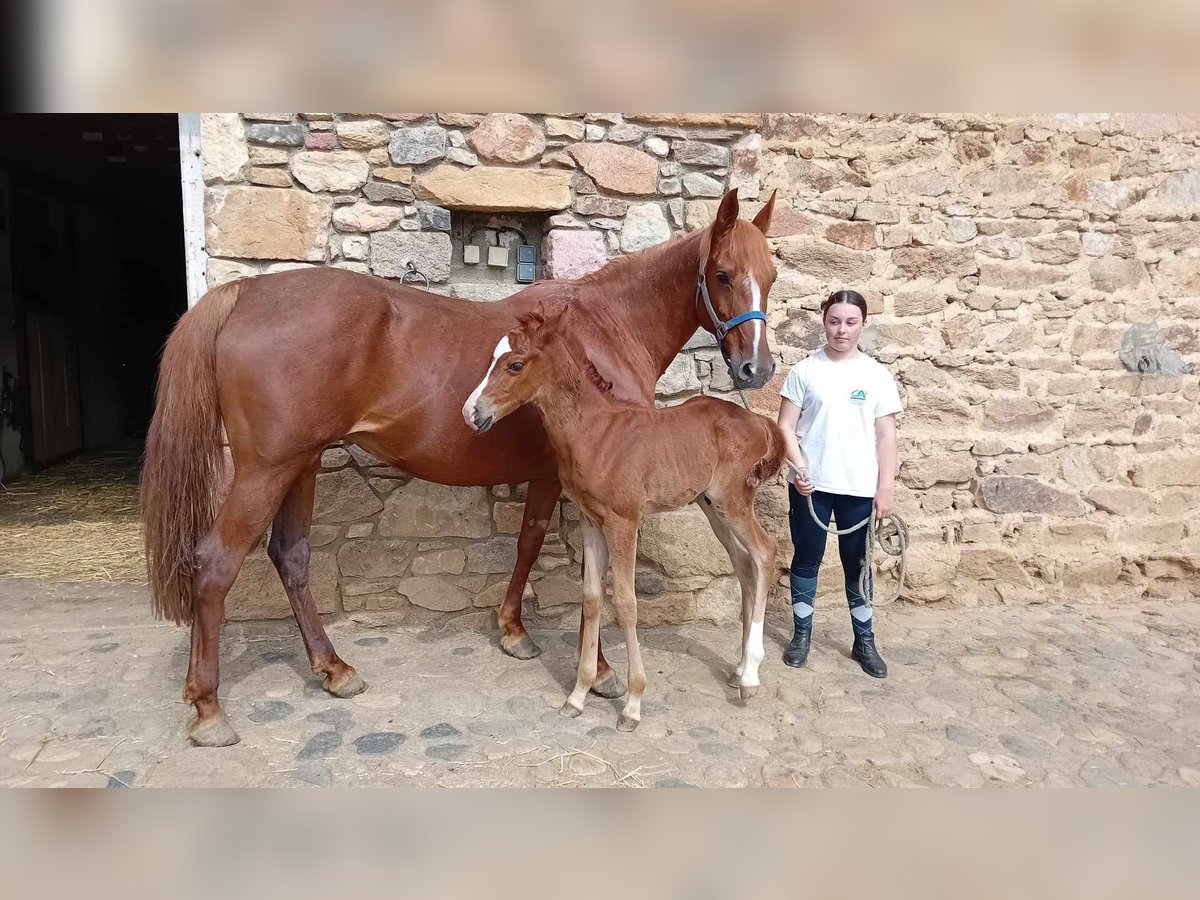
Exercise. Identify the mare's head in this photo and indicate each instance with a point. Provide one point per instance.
(737, 272)
(521, 366)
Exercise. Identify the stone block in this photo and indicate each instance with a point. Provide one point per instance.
(266, 223)
(428, 251)
(426, 510)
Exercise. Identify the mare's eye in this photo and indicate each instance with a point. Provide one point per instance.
(516, 366)
(723, 277)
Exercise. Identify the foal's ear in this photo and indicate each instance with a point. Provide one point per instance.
(721, 227)
(762, 221)
(542, 320)
(549, 315)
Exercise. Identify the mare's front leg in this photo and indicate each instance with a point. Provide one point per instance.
(535, 519)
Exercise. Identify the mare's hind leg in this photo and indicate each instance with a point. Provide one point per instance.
(253, 499)
(289, 551)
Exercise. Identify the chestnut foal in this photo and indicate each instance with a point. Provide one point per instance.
(617, 460)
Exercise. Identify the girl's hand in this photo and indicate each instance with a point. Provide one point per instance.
(885, 505)
(802, 482)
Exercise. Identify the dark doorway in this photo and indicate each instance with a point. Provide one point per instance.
(92, 278)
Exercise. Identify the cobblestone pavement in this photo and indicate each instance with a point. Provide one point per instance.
(1038, 695)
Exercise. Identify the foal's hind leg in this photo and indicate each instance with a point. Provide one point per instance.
(762, 551)
(622, 547)
(753, 555)
(253, 499)
(289, 551)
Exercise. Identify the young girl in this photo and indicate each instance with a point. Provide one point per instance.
(839, 414)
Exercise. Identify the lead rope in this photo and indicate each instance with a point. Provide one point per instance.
(893, 543)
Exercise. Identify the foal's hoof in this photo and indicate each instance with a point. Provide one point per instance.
(568, 711)
(625, 723)
(747, 690)
(349, 685)
(735, 680)
(521, 647)
(609, 687)
(214, 732)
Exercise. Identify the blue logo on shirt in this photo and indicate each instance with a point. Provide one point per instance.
(858, 396)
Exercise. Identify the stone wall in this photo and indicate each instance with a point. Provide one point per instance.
(1004, 258)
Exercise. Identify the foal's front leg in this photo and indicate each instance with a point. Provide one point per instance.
(595, 564)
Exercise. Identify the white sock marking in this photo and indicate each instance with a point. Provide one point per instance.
(754, 654)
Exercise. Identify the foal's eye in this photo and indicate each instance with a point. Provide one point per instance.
(723, 277)
(516, 366)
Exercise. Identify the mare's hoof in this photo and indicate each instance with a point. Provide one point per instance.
(747, 690)
(214, 732)
(609, 687)
(350, 685)
(522, 647)
(568, 711)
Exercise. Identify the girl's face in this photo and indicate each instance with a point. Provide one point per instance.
(843, 326)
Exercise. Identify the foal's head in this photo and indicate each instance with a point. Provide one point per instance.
(737, 270)
(522, 363)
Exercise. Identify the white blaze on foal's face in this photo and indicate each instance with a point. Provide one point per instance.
(468, 410)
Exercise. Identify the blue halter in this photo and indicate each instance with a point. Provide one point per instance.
(721, 329)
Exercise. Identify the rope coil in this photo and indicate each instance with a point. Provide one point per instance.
(893, 542)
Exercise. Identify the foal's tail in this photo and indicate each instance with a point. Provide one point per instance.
(772, 460)
(184, 463)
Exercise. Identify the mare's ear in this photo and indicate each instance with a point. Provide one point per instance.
(762, 221)
(718, 232)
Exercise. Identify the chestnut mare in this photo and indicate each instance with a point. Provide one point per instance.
(616, 460)
(285, 364)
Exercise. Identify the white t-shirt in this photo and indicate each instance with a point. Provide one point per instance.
(839, 403)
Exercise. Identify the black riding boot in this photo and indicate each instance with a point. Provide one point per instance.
(796, 654)
(865, 654)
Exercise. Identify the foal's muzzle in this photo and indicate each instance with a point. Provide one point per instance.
(477, 416)
(482, 421)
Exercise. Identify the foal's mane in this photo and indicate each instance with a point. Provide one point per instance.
(594, 376)
(573, 336)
